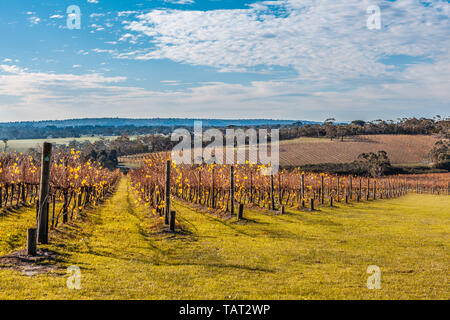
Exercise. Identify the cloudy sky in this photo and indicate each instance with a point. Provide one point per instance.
(287, 59)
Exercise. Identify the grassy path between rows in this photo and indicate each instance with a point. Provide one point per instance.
(300, 255)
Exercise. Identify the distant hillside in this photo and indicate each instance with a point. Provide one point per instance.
(401, 149)
(76, 128)
(154, 122)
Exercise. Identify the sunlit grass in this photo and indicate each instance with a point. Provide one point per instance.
(300, 255)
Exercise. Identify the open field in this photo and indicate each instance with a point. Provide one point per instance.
(401, 149)
(299, 255)
(24, 145)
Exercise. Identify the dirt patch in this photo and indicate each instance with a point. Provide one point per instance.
(45, 261)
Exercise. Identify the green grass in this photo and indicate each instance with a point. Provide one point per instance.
(300, 255)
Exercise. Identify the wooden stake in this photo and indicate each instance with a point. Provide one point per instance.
(241, 211)
(167, 193)
(172, 220)
(272, 196)
(232, 189)
(31, 242)
(42, 226)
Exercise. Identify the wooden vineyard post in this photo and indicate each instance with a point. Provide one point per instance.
(338, 190)
(368, 189)
(251, 187)
(167, 194)
(42, 227)
(232, 189)
(303, 187)
(360, 189)
(350, 189)
(199, 184)
(31, 242)
(272, 196)
(241, 211)
(322, 191)
(312, 204)
(172, 220)
(65, 206)
(331, 201)
(279, 188)
(212, 189)
(375, 190)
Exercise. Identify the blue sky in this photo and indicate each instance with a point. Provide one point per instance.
(288, 59)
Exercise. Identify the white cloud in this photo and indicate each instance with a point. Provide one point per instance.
(321, 40)
(132, 38)
(34, 20)
(126, 13)
(180, 1)
(92, 1)
(327, 43)
(11, 69)
(56, 16)
(43, 95)
(7, 60)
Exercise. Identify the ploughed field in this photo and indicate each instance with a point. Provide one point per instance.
(401, 149)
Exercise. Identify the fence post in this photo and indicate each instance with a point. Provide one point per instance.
(212, 189)
(368, 189)
(303, 187)
(42, 227)
(322, 191)
(241, 211)
(251, 186)
(172, 220)
(351, 188)
(375, 190)
(360, 189)
(167, 194)
(280, 196)
(199, 185)
(232, 189)
(31, 242)
(272, 196)
(338, 189)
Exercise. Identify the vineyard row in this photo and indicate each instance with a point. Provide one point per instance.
(213, 186)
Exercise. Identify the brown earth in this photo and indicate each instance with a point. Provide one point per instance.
(401, 149)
